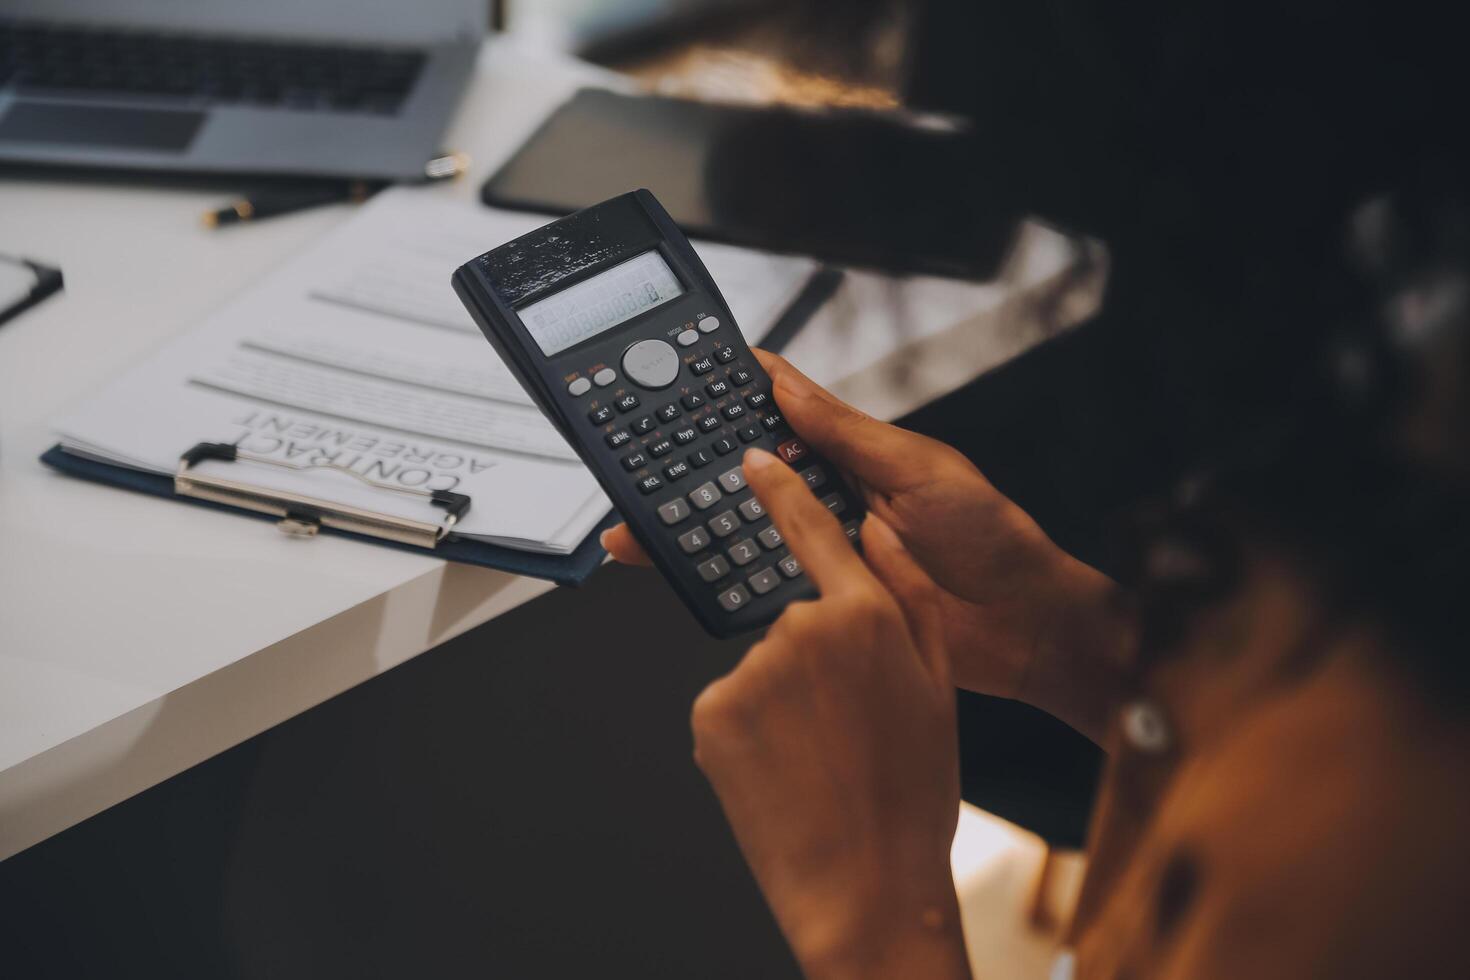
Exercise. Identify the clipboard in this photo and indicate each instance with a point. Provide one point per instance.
(304, 516)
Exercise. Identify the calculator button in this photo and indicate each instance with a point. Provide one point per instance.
(791, 450)
(696, 539)
(834, 503)
(688, 337)
(685, 436)
(714, 569)
(733, 598)
(764, 581)
(662, 447)
(752, 510)
(700, 457)
(636, 461)
(853, 529)
(710, 423)
(627, 403)
(814, 476)
(789, 566)
(706, 496)
(703, 366)
(602, 415)
(605, 377)
(724, 445)
(650, 483)
(770, 538)
(718, 388)
(744, 551)
(692, 400)
(742, 376)
(676, 471)
(651, 364)
(709, 324)
(619, 438)
(668, 413)
(725, 524)
(674, 511)
(773, 421)
(758, 399)
(644, 425)
(732, 480)
(734, 410)
(725, 355)
(579, 387)
(748, 433)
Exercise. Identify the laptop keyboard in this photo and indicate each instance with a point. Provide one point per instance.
(69, 60)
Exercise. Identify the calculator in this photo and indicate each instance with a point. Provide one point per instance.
(615, 328)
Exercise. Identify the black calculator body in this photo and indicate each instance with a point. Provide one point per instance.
(613, 325)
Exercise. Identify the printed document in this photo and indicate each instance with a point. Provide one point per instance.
(358, 356)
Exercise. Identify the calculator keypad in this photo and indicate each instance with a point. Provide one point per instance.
(715, 407)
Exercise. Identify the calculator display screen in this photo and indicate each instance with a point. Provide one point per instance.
(593, 305)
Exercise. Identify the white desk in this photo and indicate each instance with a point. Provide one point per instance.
(139, 637)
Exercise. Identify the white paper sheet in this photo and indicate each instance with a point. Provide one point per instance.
(358, 355)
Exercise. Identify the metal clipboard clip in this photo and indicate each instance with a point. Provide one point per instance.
(303, 516)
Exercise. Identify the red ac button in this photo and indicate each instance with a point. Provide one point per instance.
(791, 450)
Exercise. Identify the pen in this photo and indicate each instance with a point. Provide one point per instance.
(285, 200)
(268, 203)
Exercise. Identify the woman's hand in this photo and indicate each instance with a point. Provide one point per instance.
(1021, 618)
(832, 749)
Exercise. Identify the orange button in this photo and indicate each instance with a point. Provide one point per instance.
(791, 450)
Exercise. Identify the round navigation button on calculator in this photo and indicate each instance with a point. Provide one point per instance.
(651, 364)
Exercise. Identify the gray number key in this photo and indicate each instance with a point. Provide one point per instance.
(705, 496)
(714, 569)
(744, 551)
(732, 480)
(694, 540)
(674, 511)
(752, 510)
(771, 538)
(764, 581)
(734, 598)
(724, 524)
(789, 566)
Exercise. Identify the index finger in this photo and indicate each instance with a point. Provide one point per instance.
(809, 529)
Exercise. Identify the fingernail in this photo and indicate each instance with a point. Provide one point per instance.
(758, 459)
(602, 538)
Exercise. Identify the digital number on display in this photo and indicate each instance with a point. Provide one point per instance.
(594, 305)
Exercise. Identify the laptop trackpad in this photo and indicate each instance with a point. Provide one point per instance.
(93, 125)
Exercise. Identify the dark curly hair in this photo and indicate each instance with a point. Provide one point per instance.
(1284, 190)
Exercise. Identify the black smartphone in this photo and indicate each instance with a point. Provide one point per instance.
(850, 187)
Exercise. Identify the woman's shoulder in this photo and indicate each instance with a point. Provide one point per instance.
(1324, 835)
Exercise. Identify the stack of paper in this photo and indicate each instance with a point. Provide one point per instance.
(358, 356)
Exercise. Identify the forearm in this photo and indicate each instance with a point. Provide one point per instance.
(1078, 666)
(1058, 640)
(908, 937)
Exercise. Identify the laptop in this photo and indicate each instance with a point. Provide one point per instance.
(337, 88)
